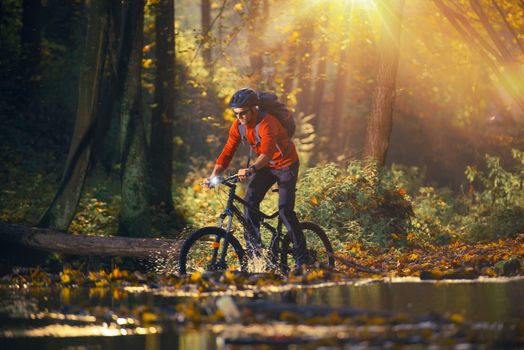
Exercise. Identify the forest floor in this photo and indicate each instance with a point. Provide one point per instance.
(237, 306)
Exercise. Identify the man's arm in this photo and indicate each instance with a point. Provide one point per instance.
(227, 153)
(261, 161)
(218, 170)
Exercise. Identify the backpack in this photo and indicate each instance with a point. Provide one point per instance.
(269, 103)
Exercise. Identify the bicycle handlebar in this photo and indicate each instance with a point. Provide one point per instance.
(226, 181)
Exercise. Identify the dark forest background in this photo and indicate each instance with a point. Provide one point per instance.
(112, 112)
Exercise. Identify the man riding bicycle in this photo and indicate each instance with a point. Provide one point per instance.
(277, 161)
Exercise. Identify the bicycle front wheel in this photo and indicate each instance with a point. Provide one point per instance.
(318, 245)
(201, 252)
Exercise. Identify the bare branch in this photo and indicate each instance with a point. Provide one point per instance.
(465, 29)
(506, 55)
(481, 46)
(222, 8)
(508, 25)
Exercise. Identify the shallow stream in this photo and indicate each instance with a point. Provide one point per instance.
(98, 318)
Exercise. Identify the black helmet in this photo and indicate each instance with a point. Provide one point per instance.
(243, 98)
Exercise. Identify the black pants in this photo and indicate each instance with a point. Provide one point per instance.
(257, 188)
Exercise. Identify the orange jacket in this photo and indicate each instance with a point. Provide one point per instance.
(274, 143)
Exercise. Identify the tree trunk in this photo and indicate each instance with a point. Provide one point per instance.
(164, 106)
(339, 100)
(256, 24)
(305, 54)
(105, 150)
(59, 242)
(320, 84)
(135, 216)
(289, 77)
(30, 64)
(380, 121)
(63, 207)
(205, 12)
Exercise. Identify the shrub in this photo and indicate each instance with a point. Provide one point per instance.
(495, 200)
(360, 202)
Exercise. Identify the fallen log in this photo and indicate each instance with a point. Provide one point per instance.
(55, 241)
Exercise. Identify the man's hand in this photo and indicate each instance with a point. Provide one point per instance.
(217, 171)
(244, 173)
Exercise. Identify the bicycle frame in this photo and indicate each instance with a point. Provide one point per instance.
(232, 211)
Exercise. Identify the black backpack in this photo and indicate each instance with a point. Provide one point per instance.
(269, 103)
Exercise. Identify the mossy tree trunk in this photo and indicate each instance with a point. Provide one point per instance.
(135, 212)
(63, 207)
(164, 107)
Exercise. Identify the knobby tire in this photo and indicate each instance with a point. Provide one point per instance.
(205, 236)
(315, 233)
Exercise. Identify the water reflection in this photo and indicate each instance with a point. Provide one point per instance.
(491, 302)
(185, 341)
(486, 302)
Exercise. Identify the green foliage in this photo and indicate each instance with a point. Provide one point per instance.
(434, 213)
(98, 209)
(496, 199)
(360, 202)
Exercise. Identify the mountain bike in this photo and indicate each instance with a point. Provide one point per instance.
(216, 248)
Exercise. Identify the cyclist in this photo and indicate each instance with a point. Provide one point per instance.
(277, 161)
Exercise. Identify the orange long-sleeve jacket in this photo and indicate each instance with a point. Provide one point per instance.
(274, 142)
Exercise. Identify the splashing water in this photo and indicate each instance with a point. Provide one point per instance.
(164, 264)
(260, 263)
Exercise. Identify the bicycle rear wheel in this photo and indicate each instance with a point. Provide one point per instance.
(318, 246)
(201, 252)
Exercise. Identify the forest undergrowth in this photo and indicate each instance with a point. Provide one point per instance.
(385, 219)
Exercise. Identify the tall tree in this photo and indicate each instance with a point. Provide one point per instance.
(135, 212)
(30, 64)
(290, 57)
(258, 13)
(339, 100)
(164, 105)
(205, 20)
(305, 54)
(320, 80)
(63, 207)
(380, 121)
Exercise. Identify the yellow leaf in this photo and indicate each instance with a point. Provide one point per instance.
(101, 283)
(229, 276)
(196, 276)
(116, 274)
(238, 7)
(197, 187)
(148, 317)
(413, 256)
(65, 278)
(65, 295)
(456, 318)
(147, 63)
(314, 201)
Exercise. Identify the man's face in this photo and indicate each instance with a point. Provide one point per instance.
(244, 115)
